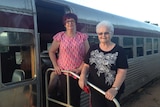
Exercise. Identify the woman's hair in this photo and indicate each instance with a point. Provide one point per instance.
(68, 16)
(106, 24)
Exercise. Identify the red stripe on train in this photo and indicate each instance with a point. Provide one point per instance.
(16, 20)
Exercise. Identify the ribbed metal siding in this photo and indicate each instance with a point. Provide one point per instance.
(84, 99)
(141, 71)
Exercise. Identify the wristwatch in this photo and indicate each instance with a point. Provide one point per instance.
(116, 88)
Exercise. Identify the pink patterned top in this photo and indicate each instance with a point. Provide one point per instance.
(71, 50)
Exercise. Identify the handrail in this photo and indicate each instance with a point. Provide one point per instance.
(54, 100)
(90, 84)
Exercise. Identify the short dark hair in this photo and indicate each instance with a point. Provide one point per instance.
(68, 16)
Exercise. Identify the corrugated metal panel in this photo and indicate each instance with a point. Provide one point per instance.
(84, 99)
(141, 71)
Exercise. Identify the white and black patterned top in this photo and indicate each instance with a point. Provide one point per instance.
(104, 65)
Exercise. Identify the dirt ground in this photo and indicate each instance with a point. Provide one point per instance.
(148, 96)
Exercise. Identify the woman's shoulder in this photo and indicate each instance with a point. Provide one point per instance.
(58, 36)
(81, 35)
(60, 33)
(119, 48)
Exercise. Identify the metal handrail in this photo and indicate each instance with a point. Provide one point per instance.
(90, 84)
(51, 99)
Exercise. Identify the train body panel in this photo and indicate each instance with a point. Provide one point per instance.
(93, 16)
(141, 71)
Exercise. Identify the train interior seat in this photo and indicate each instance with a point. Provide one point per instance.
(18, 75)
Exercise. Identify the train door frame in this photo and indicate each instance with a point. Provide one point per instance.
(26, 22)
(49, 22)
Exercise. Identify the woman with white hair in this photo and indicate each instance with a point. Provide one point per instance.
(106, 64)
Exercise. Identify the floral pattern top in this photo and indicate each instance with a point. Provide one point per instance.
(71, 50)
(104, 65)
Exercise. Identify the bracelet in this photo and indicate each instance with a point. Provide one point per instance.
(116, 88)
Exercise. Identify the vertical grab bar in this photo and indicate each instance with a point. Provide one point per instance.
(54, 100)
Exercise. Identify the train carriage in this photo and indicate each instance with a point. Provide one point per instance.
(26, 30)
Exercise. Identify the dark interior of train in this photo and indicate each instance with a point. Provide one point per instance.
(16, 56)
(49, 21)
(49, 18)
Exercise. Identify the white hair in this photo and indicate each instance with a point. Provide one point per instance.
(107, 24)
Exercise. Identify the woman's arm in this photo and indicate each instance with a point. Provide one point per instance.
(82, 79)
(52, 54)
(87, 46)
(120, 77)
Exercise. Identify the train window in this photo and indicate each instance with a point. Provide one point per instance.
(115, 40)
(139, 41)
(48, 46)
(148, 46)
(140, 46)
(96, 40)
(93, 39)
(128, 46)
(140, 51)
(16, 56)
(155, 45)
(129, 52)
(127, 41)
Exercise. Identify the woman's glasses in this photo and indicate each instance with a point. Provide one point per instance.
(103, 33)
(70, 21)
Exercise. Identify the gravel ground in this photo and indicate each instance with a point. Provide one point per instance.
(148, 96)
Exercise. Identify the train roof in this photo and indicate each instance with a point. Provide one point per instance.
(90, 15)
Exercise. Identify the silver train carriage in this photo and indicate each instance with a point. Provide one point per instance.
(26, 35)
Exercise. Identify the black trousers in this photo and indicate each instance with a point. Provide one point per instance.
(75, 90)
(99, 100)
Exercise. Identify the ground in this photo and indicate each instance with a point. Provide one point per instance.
(148, 96)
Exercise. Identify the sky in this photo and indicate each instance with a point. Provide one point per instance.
(141, 10)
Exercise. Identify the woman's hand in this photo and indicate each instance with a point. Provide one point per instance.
(57, 70)
(111, 93)
(77, 71)
(82, 82)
